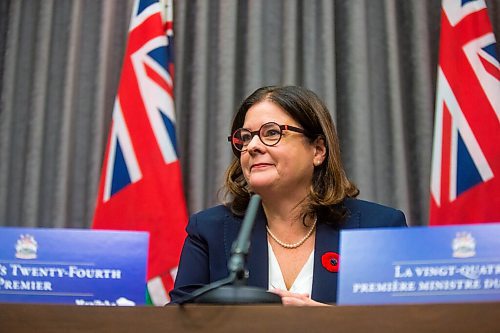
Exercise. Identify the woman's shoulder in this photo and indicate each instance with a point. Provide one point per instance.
(209, 221)
(370, 214)
(213, 215)
(214, 212)
(364, 205)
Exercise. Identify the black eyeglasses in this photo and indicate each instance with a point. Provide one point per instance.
(269, 133)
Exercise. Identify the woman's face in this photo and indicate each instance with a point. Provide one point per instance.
(286, 168)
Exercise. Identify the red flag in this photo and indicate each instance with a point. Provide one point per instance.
(141, 184)
(465, 179)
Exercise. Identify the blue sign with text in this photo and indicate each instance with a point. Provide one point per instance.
(82, 267)
(420, 265)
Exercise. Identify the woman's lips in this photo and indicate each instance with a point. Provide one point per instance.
(260, 166)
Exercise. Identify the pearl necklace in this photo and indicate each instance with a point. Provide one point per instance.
(293, 245)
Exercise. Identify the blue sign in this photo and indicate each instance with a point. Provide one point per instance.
(82, 267)
(420, 265)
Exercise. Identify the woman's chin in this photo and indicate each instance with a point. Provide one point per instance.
(260, 186)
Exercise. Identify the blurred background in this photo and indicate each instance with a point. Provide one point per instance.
(372, 61)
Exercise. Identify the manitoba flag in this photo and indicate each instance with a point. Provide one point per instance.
(465, 175)
(141, 184)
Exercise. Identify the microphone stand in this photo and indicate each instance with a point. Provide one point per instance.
(233, 289)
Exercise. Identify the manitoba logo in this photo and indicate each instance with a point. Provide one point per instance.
(26, 247)
(464, 245)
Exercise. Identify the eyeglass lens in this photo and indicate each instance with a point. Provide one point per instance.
(269, 134)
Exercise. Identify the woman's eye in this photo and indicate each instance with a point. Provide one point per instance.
(246, 137)
(271, 132)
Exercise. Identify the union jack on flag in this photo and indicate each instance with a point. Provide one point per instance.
(141, 183)
(465, 175)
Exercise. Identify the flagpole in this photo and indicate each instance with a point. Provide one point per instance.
(167, 10)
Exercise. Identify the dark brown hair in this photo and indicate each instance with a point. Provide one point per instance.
(330, 185)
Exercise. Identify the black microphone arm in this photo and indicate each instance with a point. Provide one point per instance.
(241, 245)
(233, 289)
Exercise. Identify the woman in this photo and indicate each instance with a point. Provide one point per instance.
(287, 151)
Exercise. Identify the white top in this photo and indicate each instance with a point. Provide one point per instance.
(303, 282)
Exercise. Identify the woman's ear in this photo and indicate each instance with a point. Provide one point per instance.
(319, 151)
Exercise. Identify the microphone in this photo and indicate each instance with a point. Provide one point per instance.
(233, 289)
(241, 245)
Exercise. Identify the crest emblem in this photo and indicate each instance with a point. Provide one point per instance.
(464, 245)
(26, 247)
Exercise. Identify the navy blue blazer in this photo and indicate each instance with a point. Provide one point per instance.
(211, 234)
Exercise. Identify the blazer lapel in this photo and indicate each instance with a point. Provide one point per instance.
(258, 260)
(324, 288)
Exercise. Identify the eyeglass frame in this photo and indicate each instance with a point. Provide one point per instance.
(257, 132)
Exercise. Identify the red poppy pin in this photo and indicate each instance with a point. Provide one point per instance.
(331, 261)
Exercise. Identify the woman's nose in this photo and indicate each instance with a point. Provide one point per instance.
(254, 144)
